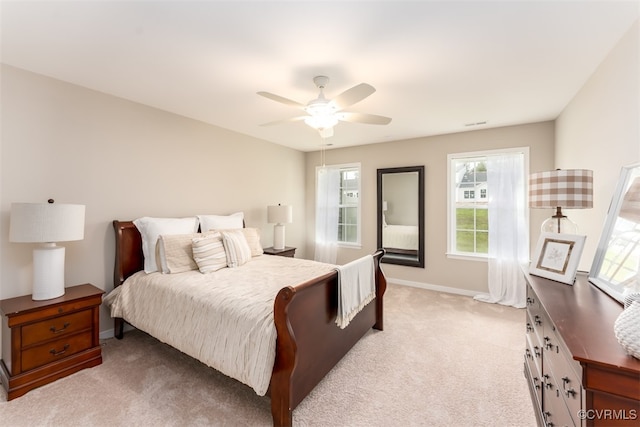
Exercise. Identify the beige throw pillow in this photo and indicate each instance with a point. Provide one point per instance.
(174, 254)
(252, 235)
(236, 248)
(209, 253)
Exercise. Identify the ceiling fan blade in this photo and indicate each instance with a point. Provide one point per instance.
(353, 95)
(281, 99)
(278, 122)
(369, 119)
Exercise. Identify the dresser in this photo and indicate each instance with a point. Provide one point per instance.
(43, 341)
(578, 374)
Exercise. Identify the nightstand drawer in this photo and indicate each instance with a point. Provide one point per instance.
(56, 327)
(55, 350)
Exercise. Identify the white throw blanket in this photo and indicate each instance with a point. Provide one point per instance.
(356, 288)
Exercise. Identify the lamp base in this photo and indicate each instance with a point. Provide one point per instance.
(278, 236)
(48, 272)
(560, 224)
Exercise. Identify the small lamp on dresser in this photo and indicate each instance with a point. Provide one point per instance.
(561, 188)
(281, 214)
(47, 223)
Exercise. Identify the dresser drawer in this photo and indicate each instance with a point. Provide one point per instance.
(55, 350)
(536, 313)
(535, 374)
(555, 412)
(56, 327)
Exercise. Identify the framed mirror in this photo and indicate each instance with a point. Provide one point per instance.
(401, 215)
(616, 265)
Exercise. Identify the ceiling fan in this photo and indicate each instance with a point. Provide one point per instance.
(323, 114)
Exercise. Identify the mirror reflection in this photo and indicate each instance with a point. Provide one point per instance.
(401, 215)
(616, 266)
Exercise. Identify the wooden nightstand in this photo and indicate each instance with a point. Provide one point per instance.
(43, 341)
(288, 251)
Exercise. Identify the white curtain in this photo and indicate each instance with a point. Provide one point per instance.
(327, 205)
(508, 230)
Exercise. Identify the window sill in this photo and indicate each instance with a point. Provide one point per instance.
(349, 245)
(468, 257)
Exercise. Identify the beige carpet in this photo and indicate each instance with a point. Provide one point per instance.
(442, 360)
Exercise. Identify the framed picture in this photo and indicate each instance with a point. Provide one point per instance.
(557, 256)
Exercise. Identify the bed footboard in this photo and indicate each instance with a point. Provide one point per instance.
(309, 342)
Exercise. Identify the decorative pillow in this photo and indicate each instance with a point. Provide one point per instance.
(236, 247)
(215, 222)
(151, 228)
(252, 235)
(174, 254)
(209, 253)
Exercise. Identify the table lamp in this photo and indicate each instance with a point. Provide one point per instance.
(281, 214)
(561, 188)
(47, 223)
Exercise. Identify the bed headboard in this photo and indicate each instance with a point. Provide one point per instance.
(129, 256)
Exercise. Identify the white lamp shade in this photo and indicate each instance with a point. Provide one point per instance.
(281, 214)
(46, 222)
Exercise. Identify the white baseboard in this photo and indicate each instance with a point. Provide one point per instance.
(431, 287)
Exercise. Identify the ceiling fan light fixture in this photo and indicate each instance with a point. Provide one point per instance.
(321, 121)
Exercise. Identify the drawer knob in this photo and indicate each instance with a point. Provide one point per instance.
(58, 353)
(57, 331)
(537, 320)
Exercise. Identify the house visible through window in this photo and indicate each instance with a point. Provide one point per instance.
(470, 232)
(338, 205)
(349, 206)
(468, 221)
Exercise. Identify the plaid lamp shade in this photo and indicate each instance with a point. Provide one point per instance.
(566, 188)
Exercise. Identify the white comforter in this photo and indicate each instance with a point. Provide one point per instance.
(224, 319)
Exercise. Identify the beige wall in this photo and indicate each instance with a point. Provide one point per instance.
(600, 130)
(440, 271)
(124, 160)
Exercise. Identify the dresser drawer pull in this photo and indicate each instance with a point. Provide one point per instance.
(57, 331)
(58, 353)
(567, 392)
(537, 320)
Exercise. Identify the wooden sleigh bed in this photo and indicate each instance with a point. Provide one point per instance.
(309, 343)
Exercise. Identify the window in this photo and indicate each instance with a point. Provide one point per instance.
(343, 185)
(470, 225)
(349, 205)
(469, 193)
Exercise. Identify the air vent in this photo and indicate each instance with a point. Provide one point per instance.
(475, 124)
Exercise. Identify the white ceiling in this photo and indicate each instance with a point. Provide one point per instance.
(437, 66)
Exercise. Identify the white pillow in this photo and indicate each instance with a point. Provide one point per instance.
(151, 228)
(236, 248)
(217, 222)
